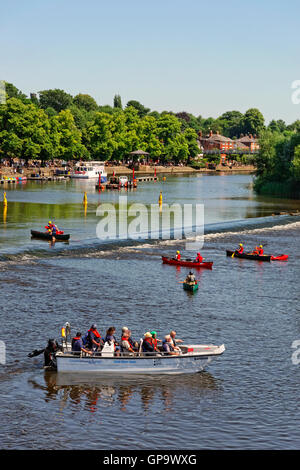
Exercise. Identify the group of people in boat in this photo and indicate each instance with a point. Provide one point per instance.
(92, 342)
(257, 251)
(52, 229)
(198, 259)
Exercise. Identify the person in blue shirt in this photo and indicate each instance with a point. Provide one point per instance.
(77, 344)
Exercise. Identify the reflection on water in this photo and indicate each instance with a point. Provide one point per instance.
(89, 391)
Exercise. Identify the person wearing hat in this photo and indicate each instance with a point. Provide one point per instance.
(178, 255)
(240, 250)
(260, 250)
(94, 340)
(199, 258)
(148, 346)
(190, 279)
(155, 340)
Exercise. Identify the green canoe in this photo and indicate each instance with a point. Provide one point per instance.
(190, 287)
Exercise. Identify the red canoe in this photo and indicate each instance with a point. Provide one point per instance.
(279, 258)
(187, 263)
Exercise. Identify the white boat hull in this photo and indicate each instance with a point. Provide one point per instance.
(185, 363)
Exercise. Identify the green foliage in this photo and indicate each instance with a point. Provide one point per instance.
(56, 99)
(14, 92)
(296, 163)
(253, 122)
(278, 164)
(24, 131)
(142, 111)
(85, 102)
(118, 102)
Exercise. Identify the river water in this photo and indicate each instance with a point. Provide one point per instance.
(247, 399)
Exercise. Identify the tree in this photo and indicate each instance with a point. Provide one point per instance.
(56, 99)
(85, 102)
(99, 136)
(232, 123)
(142, 111)
(253, 122)
(118, 102)
(67, 138)
(25, 131)
(190, 136)
(296, 164)
(14, 92)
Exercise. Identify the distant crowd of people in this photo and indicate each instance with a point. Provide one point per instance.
(92, 342)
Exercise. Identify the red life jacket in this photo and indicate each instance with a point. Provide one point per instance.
(126, 339)
(149, 340)
(199, 259)
(96, 333)
(241, 249)
(154, 342)
(178, 256)
(260, 251)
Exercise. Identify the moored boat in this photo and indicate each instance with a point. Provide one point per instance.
(193, 358)
(187, 263)
(48, 236)
(90, 170)
(235, 254)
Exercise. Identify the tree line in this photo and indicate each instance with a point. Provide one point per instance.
(54, 124)
(278, 164)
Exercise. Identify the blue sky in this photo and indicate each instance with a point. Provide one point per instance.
(201, 57)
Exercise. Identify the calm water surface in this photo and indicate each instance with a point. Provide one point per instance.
(247, 399)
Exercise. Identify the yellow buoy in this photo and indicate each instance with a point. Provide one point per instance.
(160, 199)
(4, 214)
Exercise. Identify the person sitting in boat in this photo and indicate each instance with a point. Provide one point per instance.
(110, 338)
(94, 340)
(134, 344)
(125, 344)
(155, 340)
(199, 258)
(148, 346)
(178, 255)
(260, 250)
(240, 250)
(168, 346)
(190, 279)
(175, 341)
(77, 344)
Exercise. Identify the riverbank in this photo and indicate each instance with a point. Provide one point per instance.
(142, 170)
(150, 170)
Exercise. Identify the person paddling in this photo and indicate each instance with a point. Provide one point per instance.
(258, 250)
(199, 258)
(240, 250)
(190, 279)
(178, 255)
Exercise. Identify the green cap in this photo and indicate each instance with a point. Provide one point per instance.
(153, 333)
